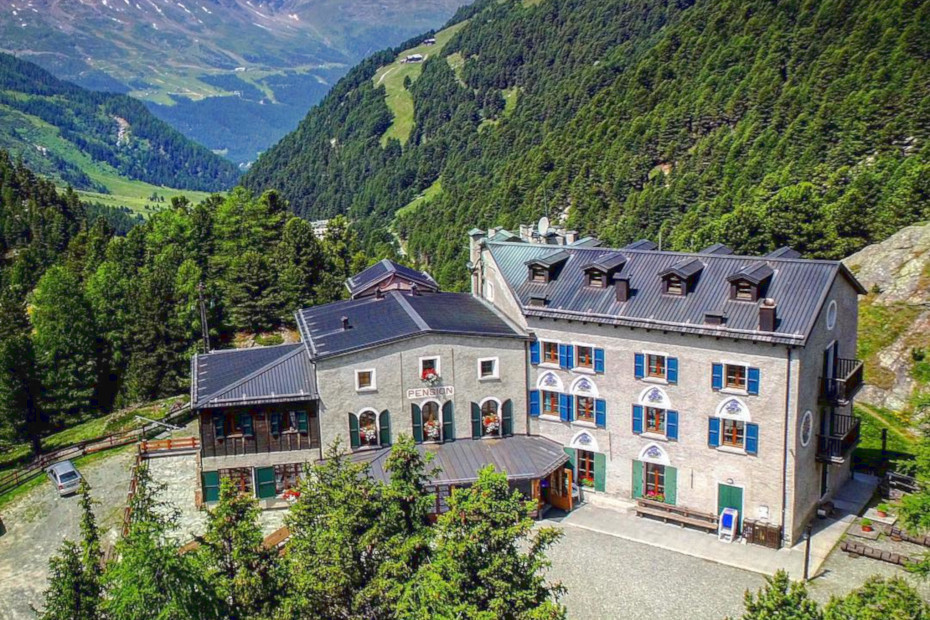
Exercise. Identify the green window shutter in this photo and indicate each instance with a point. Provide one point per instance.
(353, 431)
(417, 423)
(264, 476)
(448, 421)
(571, 457)
(475, 421)
(600, 471)
(275, 424)
(245, 421)
(303, 424)
(637, 479)
(507, 419)
(211, 486)
(384, 428)
(218, 428)
(671, 485)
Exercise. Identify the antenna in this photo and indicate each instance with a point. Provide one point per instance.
(203, 319)
(543, 227)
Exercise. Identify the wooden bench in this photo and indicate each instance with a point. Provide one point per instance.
(677, 514)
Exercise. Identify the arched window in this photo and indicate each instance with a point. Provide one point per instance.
(490, 418)
(369, 429)
(432, 421)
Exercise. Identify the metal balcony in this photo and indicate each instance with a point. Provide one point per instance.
(843, 386)
(841, 436)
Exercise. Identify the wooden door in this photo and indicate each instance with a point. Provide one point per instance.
(560, 489)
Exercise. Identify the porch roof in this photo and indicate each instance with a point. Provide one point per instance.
(521, 457)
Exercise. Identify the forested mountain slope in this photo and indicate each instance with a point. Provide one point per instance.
(747, 122)
(62, 130)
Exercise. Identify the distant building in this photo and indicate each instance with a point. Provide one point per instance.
(413, 58)
(429, 41)
(320, 228)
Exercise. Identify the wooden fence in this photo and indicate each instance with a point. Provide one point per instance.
(15, 478)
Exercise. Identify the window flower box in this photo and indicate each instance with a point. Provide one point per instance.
(430, 377)
(431, 430)
(290, 495)
(491, 425)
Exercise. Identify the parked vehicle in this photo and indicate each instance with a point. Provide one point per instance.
(65, 477)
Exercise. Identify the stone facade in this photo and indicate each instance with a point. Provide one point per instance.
(397, 369)
(781, 482)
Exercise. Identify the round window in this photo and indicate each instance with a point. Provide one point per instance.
(807, 427)
(831, 314)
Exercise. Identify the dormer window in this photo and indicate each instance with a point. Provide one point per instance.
(596, 279)
(539, 274)
(745, 291)
(674, 286)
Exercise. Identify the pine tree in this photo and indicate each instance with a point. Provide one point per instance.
(240, 569)
(879, 599)
(781, 599)
(66, 598)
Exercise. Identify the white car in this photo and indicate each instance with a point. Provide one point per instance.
(65, 477)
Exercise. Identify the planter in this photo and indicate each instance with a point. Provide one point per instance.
(881, 513)
(866, 528)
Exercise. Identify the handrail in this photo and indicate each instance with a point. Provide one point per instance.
(846, 380)
(17, 477)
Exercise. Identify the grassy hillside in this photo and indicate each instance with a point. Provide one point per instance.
(753, 123)
(98, 142)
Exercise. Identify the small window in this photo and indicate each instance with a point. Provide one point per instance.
(596, 279)
(539, 274)
(674, 286)
(584, 409)
(241, 478)
(735, 376)
(550, 403)
(585, 461)
(364, 380)
(489, 290)
(584, 357)
(551, 352)
(286, 476)
(655, 366)
(745, 291)
(732, 433)
(487, 368)
(368, 429)
(429, 368)
(655, 420)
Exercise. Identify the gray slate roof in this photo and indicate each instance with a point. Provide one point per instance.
(384, 269)
(396, 316)
(521, 457)
(257, 375)
(798, 286)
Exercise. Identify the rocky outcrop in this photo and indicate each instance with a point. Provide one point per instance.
(897, 274)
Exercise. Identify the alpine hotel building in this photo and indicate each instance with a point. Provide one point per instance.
(704, 380)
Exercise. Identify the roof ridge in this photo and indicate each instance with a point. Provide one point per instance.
(239, 350)
(252, 375)
(413, 314)
(571, 248)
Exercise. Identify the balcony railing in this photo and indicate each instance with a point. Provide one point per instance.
(843, 386)
(841, 437)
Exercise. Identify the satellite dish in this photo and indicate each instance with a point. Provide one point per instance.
(543, 226)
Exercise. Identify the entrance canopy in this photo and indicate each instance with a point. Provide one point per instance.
(521, 457)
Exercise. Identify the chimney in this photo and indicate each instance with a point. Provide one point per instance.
(345, 323)
(622, 288)
(767, 315)
(714, 318)
(414, 290)
(379, 294)
(571, 236)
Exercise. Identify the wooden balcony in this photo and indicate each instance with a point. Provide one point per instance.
(842, 435)
(843, 386)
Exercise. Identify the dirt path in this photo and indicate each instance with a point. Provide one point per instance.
(909, 437)
(40, 520)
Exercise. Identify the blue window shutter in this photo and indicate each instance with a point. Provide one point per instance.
(752, 439)
(671, 425)
(639, 365)
(637, 419)
(534, 403)
(598, 360)
(716, 376)
(571, 407)
(563, 356)
(218, 429)
(752, 382)
(600, 412)
(570, 353)
(563, 407)
(534, 352)
(713, 432)
(671, 369)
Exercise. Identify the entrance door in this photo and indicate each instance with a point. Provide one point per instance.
(560, 489)
(730, 497)
(824, 477)
(829, 360)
